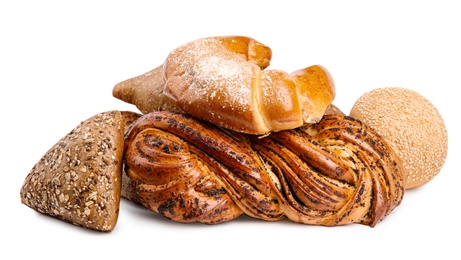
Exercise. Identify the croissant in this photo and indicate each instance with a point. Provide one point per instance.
(223, 80)
(334, 172)
(145, 91)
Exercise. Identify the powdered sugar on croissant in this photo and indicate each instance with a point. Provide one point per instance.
(222, 80)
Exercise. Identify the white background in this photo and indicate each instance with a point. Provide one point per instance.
(60, 60)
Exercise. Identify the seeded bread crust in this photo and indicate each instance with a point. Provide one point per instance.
(411, 125)
(79, 179)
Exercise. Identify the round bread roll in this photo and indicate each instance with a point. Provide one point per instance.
(411, 125)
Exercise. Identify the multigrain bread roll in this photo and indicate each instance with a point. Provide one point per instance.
(223, 80)
(79, 179)
(335, 172)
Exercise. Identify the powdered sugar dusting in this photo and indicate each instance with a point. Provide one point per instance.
(211, 79)
(214, 75)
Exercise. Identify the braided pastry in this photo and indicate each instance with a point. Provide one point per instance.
(334, 172)
(168, 156)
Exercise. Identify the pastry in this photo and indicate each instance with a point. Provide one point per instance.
(334, 172)
(145, 92)
(223, 80)
(166, 158)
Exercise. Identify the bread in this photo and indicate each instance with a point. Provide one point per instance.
(78, 180)
(223, 80)
(411, 125)
(335, 172)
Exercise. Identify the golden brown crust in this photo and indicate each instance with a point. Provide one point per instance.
(278, 103)
(252, 50)
(316, 90)
(78, 179)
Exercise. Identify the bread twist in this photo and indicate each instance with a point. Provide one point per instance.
(334, 172)
(168, 157)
